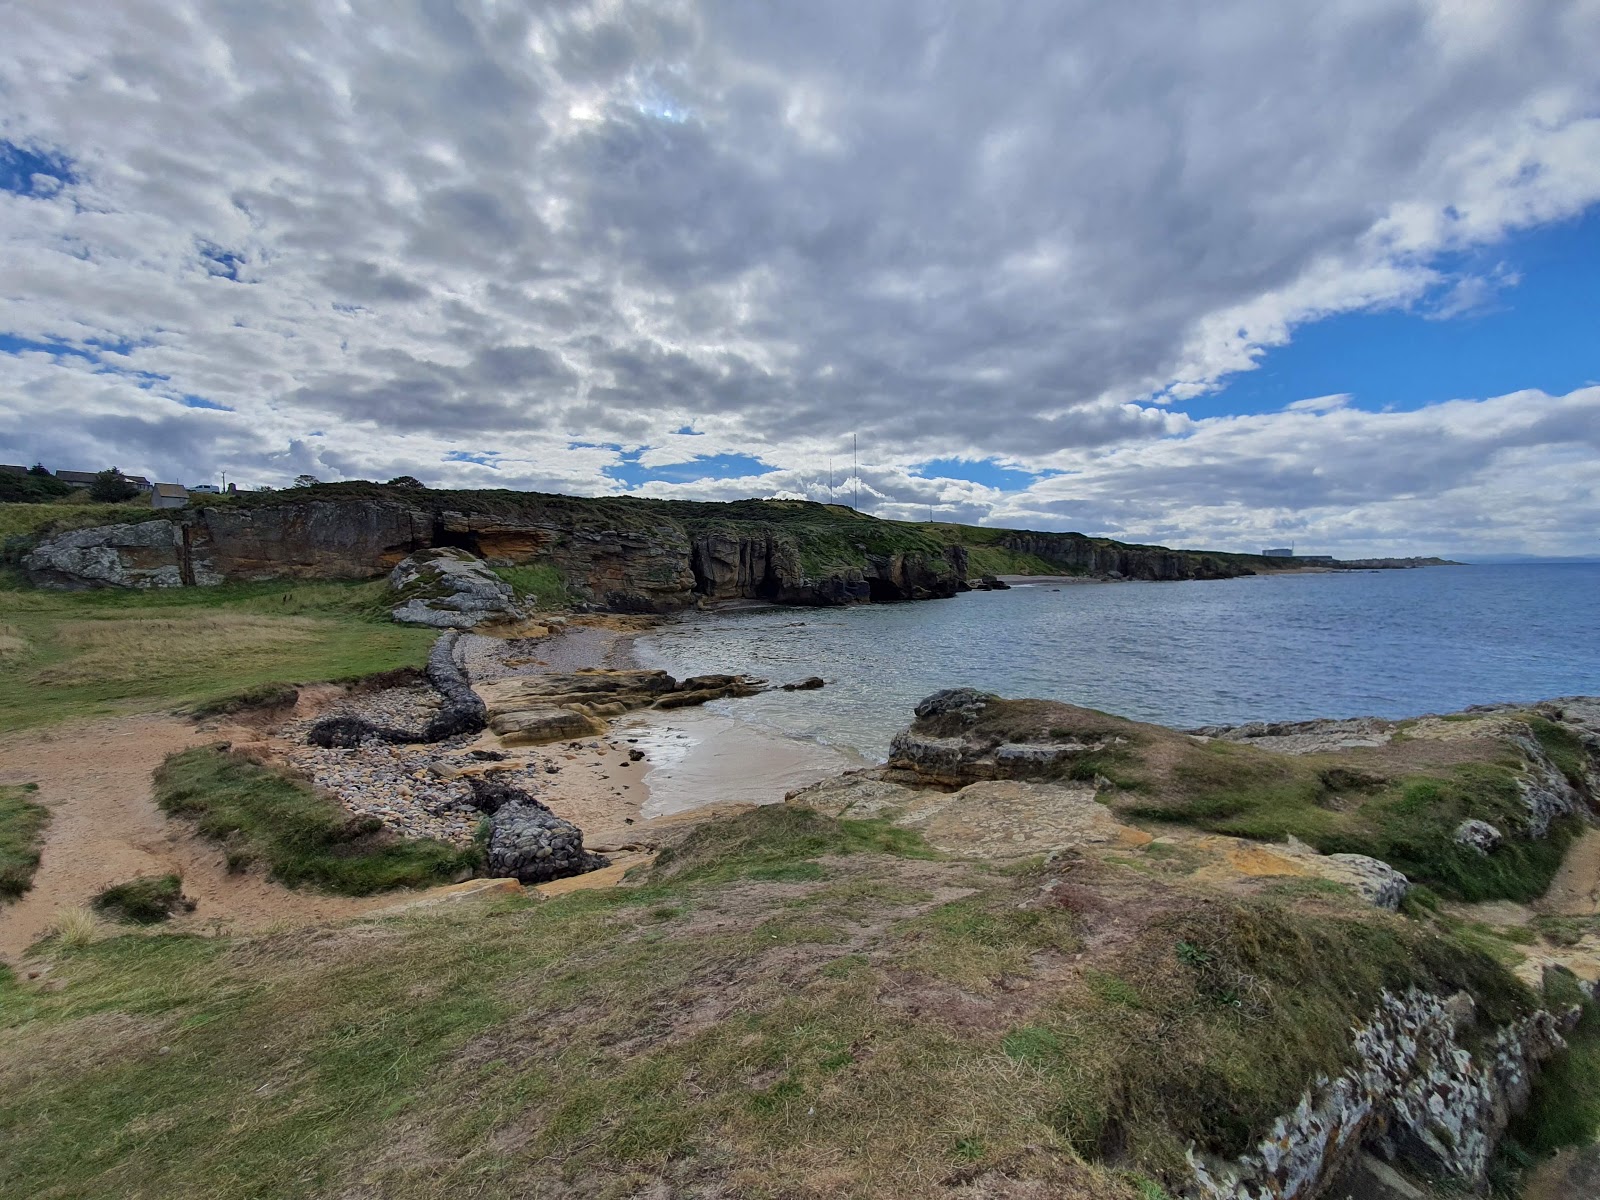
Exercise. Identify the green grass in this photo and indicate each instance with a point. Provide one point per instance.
(82, 654)
(606, 1042)
(28, 520)
(147, 900)
(1408, 822)
(1564, 1108)
(22, 823)
(540, 586)
(303, 838)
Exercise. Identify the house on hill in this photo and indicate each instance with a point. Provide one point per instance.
(169, 495)
(87, 478)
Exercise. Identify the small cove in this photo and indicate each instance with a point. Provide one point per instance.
(1295, 647)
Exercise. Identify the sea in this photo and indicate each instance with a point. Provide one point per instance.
(1393, 643)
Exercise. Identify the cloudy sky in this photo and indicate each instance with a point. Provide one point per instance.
(1228, 274)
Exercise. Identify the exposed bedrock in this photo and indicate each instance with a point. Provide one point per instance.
(461, 711)
(1076, 553)
(529, 709)
(649, 566)
(1416, 1094)
(450, 589)
(527, 841)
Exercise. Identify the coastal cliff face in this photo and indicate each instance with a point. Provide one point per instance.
(659, 563)
(1078, 554)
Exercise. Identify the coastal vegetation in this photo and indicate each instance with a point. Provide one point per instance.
(787, 1005)
(22, 822)
(114, 651)
(147, 900)
(303, 838)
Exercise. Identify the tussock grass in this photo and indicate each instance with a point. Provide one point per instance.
(147, 900)
(613, 1042)
(74, 928)
(303, 838)
(113, 651)
(22, 822)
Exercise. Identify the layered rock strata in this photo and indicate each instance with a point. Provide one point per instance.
(1416, 1094)
(527, 710)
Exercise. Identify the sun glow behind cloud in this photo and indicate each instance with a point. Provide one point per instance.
(690, 249)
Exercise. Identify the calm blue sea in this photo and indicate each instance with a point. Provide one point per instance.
(1383, 643)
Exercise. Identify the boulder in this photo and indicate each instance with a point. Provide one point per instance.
(1477, 835)
(527, 841)
(450, 589)
(808, 684)
(540, 723)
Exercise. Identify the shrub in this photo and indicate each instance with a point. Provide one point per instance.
(111, 486)
(146, 900)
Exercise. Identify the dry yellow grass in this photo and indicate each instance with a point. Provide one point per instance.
(12, 643)
(143, 647)
(75, 927)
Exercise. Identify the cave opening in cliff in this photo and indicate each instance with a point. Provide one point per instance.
(881, 591)
(456, 539)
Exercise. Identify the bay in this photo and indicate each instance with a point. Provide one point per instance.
(1286, 647)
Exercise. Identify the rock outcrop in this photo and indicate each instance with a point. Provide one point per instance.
(629, 555)
(527, 841)
(529, 709)
(1416, 1093)
(450, 589)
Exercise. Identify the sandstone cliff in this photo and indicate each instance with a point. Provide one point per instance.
(625, 554)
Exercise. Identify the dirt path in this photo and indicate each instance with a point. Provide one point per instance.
(105, 829)
(1575, 891)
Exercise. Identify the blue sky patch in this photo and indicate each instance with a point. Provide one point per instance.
(705, 466)
(985, 471)
(484, 458)
(220, 262)
(1542, 332)
(25, 171)
(201, 402)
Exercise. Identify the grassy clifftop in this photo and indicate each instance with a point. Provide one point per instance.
(828, 538)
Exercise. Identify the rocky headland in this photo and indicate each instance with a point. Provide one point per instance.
(621, 554)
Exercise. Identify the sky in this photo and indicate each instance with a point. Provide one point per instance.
(1227, 275)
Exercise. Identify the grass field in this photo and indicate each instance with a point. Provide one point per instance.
(303, 838)
(22, 823)
(79, 654)
(789, 1007)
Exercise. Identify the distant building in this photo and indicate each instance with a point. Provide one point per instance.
(8, 469)
(87, 478)
(1280, 552)
(169, 495)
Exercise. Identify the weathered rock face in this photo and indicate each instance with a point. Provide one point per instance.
(530, 709)
(1077, 553)
(149, 554)
(1416, 1094)
(450, 589)
(528, 842)
(648, 570)
(727, 566)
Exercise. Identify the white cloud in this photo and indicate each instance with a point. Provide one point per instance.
(384, 234)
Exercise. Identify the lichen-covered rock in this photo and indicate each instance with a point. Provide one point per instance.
(1477, 835)
(1415, 1091)
(451, 589)
(964, 702)
(149, 554)
(528, 842)
(1379, 884)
